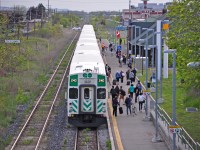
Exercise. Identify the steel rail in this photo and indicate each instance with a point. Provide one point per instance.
(47, 119)
(41, 96)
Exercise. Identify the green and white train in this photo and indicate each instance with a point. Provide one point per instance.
(87, 82)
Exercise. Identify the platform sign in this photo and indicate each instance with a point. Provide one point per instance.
(165, 26)
(121, 28)
(119, 47)
(175, 129)
(12, 41)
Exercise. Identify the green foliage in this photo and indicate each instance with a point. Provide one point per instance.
(42, 79)
(27, 141)
(21, 98)
(184, 35)
(50, 31)
(108, 144)
(66, 20)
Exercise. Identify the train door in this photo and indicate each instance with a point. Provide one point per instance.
(87, 99)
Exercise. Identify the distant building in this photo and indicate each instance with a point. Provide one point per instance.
(143, 11)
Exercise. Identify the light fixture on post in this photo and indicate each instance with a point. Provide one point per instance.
(141, 41)
(173, 51)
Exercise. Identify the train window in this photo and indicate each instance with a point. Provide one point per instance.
(101, 93)
(73, 93)
(86, 93)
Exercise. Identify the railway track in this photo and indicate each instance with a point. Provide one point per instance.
(86, 139)
(31, 134)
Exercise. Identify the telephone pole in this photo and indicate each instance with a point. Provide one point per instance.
(48, 9)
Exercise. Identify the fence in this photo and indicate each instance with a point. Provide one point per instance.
(183, 137)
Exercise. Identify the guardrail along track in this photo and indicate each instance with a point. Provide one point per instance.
(86, 139)
(34, 127)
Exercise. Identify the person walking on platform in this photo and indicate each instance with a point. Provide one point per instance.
(131, 90)
(122, 74)
(115, 103)
(136, 91)
(117, 90)
(128, 103)
(141, 100)
(131, 76)
(122, 94)
(117, 76)
(134, 72)
(139, 86)
(113, 92)
(127, 74)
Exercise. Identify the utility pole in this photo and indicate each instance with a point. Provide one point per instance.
(48, 9)
(42, 18)
(27, 29)
(14, 18)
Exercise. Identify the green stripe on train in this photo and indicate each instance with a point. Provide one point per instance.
(99, 106)
(87, 105)
(75, 105)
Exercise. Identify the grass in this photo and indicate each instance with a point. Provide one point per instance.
(189, 121)
(27, 141)
(30, 78)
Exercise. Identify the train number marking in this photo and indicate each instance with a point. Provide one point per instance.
(73, 80)
(101, 80)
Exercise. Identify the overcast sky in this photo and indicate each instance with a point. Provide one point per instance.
(85, 5)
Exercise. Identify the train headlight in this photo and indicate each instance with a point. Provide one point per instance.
(104, 110)
(70, 110)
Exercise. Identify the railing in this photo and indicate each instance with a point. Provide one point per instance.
(183, 136)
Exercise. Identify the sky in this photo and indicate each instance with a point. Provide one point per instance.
(85, 5)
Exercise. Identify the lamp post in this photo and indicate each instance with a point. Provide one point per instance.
(156, 137)
(141, 41)
(146, 55)
(173, 51)
(152, 64)
(137, 27)
(132, 39)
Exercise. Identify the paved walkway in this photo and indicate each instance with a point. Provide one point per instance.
(132, 132)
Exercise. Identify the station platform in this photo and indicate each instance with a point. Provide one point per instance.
(129, 132)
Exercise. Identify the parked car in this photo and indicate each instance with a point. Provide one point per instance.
(76, 28)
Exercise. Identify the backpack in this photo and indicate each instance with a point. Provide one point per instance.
(118, 75)
(123, 92)
(139, 86)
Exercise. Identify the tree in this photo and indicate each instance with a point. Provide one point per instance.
(41, 11)
(184, 36)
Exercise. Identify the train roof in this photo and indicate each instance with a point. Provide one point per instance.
(88, 26)
(87, 53)
(88, 61)
(88, 35)
(89, 47)
(87, 40)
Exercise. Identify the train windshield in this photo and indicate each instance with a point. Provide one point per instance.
(86, 93)
(73, 93)
(101, 93)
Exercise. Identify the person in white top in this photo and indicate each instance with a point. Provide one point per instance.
(141, 100)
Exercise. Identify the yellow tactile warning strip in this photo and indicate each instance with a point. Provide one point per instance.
(115, 128)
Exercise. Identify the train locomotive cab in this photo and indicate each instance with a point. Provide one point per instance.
(87, 101)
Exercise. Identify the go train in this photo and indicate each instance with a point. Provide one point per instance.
(87, 82)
